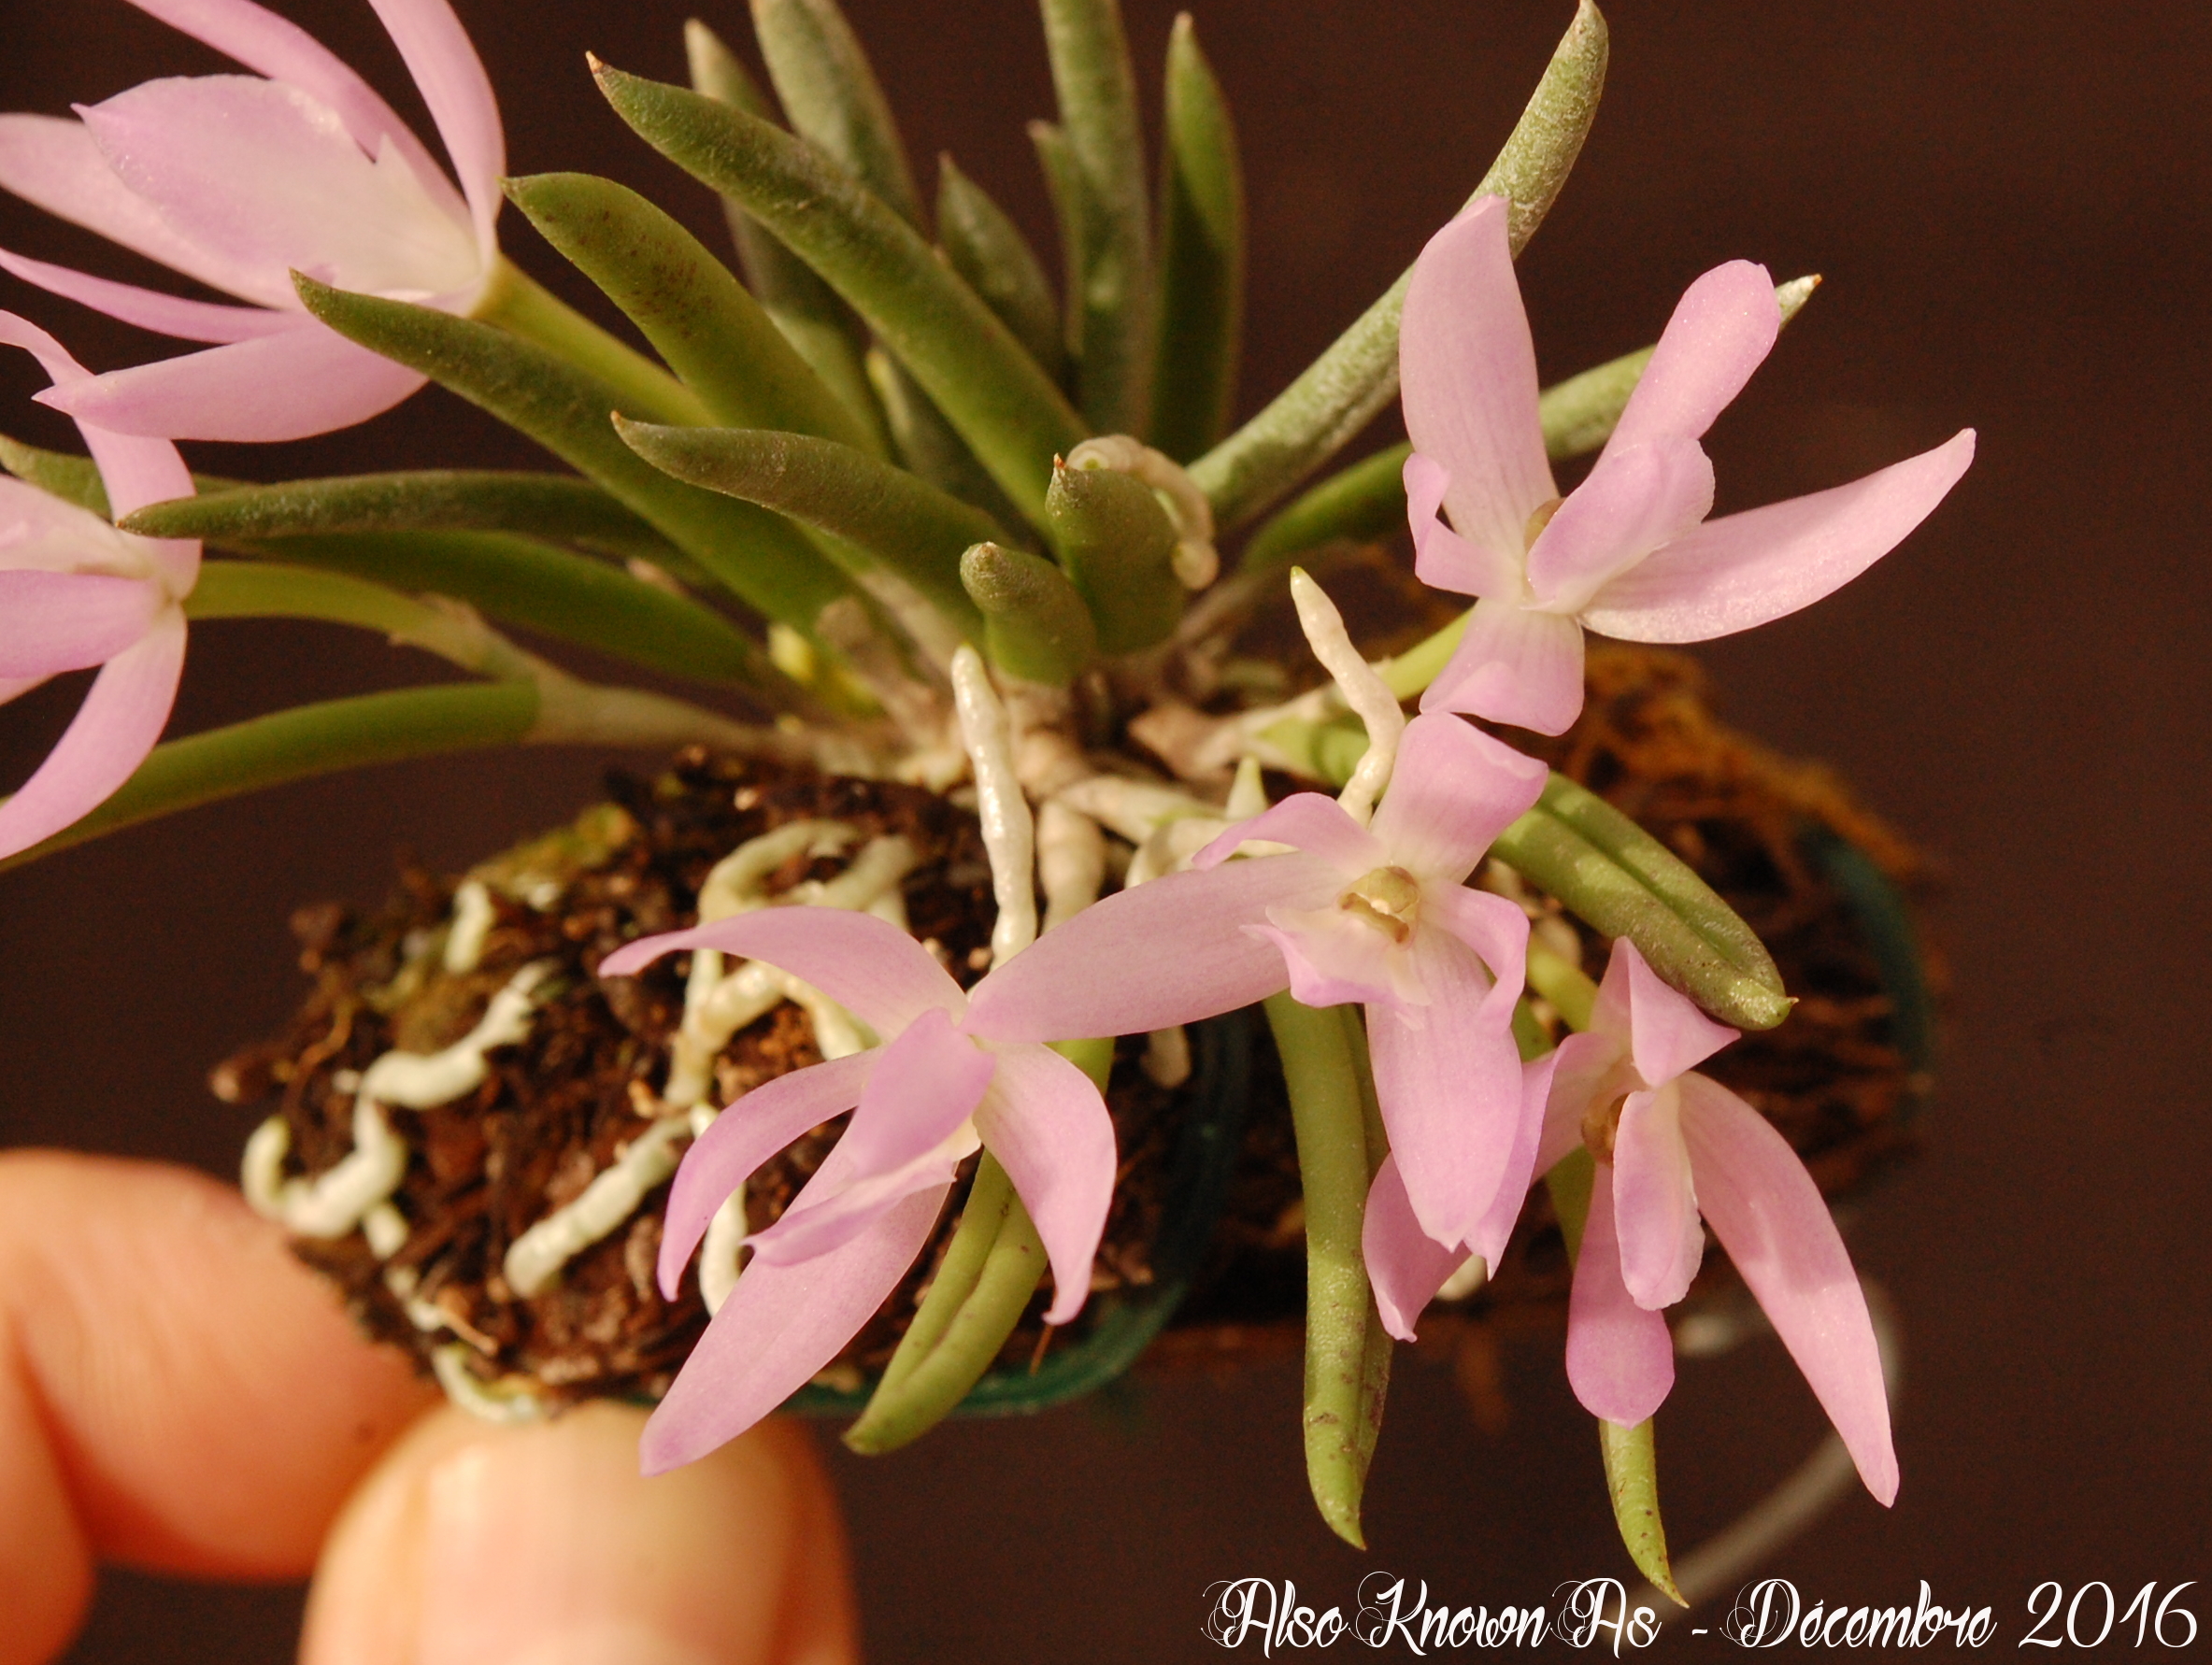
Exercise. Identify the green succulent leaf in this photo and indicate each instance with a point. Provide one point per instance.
(1117, 545)
(821, 329)
(517, 580)
(762, 559)
(1114, 327)
(1035, 626)
(1337, 394)
(1202, 256)
(1364, 500)
(698, 317)
(551, 505)
(925, 442)
(517, 304)
(988, 249)
(1611, 873)
(905, 523)
(540, 588)
(966, 360)
(832, 97)
(304, 742)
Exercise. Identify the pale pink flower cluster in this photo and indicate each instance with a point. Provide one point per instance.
(1382, 916)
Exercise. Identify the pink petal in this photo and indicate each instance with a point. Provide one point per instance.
(452, 80)
(1768, 1214)
(1723, 329)
(51, 622)
(1450, 1090)
(1514, 666)
(114, 729)
(1638, 498)
(53, 162)
(1442, 559)
(12, 686)
(283, 51)
(871, 968)
(1311, 821)
(1493, 927)
(1654, 1201)
(780, 1325)
(1170, 951)
(1743, 570)
(1620, 1361)
(1454, 790)
(1334, 959)
(306, 381)
(1493, 1230)
(1045, 1122)
(265, 176)
(742, 1137)
(1467, 371)
(149, 309)
(908, 1131)
(40, 533)
(136, 470)
(1405, 1266)
(1668, 1034)
(1588, 1068)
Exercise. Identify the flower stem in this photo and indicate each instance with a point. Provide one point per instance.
(519, 304)
(1347, 1367)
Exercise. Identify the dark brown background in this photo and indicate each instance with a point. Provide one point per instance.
(2009, 206)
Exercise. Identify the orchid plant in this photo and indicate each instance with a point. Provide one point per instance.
(894, 508)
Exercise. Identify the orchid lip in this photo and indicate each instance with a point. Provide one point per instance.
(1600, 1126)
(1386, 898)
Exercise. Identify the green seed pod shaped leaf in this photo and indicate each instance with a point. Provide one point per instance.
(1034, 623)
(1118, 547)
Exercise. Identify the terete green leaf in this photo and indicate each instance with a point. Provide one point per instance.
(758, 556)
(969, 363)
(1337, 394)
(1202, 256)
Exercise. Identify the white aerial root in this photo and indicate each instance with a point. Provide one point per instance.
(717, 1255)
(534, 1259)
(1196, 563)
(1167, 1056)
(914, 706)
(1009, 836)
(335, 1202)
(716, 1006)
(473, 919)
(1362, 689)
(1046, 755)
(511, 1399)
(1071, 860)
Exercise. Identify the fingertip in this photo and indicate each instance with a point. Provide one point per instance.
(543, 1543)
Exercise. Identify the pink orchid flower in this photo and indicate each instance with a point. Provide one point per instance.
(239, 181)
(1629, 552)
(925, 1099)
(1672, 1146)
(74, 592)
(1378, 914)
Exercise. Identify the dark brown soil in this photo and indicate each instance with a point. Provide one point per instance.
(557, 1107)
